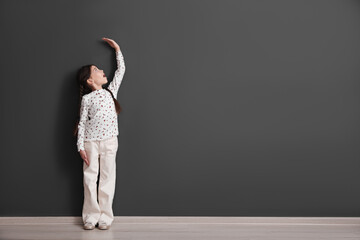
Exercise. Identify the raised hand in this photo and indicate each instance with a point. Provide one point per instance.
(112, 43)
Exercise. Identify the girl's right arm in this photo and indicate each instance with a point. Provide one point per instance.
(81, 126)
(119, 73)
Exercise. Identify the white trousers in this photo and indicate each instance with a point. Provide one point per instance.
(102, 155)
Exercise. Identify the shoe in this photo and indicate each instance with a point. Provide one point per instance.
(89, 226)
(103, 226)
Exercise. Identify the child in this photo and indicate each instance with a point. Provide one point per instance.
(97, 141)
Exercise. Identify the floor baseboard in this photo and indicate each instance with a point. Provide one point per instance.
(191, 219)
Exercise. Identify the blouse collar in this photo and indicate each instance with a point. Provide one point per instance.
(98, 90)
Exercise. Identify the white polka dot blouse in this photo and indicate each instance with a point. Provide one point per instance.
(98, 118)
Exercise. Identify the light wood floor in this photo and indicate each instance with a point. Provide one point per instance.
(194, 228)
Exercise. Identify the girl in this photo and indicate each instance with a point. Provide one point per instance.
(97, 143)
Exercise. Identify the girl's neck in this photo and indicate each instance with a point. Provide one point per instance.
(95, 89)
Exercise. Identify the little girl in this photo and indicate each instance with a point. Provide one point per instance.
(97, 143)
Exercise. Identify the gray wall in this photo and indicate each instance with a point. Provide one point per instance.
(230, 108)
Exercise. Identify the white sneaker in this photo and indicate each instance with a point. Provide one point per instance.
(103, 226)
(89, 226)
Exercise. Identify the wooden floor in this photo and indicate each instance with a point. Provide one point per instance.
(194, 228)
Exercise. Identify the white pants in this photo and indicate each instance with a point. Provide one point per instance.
(98, 207)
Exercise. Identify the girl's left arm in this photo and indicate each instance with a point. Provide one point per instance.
(119, 73)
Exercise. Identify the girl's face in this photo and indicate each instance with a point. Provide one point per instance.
(97, 78)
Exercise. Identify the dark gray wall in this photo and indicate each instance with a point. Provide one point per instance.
(230, 108)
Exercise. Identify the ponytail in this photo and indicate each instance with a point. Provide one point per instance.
(117, 105)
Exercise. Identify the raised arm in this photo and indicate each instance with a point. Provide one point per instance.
(81, 126)
(119, 73)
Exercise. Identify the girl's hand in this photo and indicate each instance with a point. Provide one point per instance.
(84, 156)
(112, 43)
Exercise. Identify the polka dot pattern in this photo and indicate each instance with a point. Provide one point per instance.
(98, 118)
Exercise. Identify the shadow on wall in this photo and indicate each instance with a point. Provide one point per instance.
(68, 159)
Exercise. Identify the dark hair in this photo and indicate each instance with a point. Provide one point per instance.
(82, 76)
